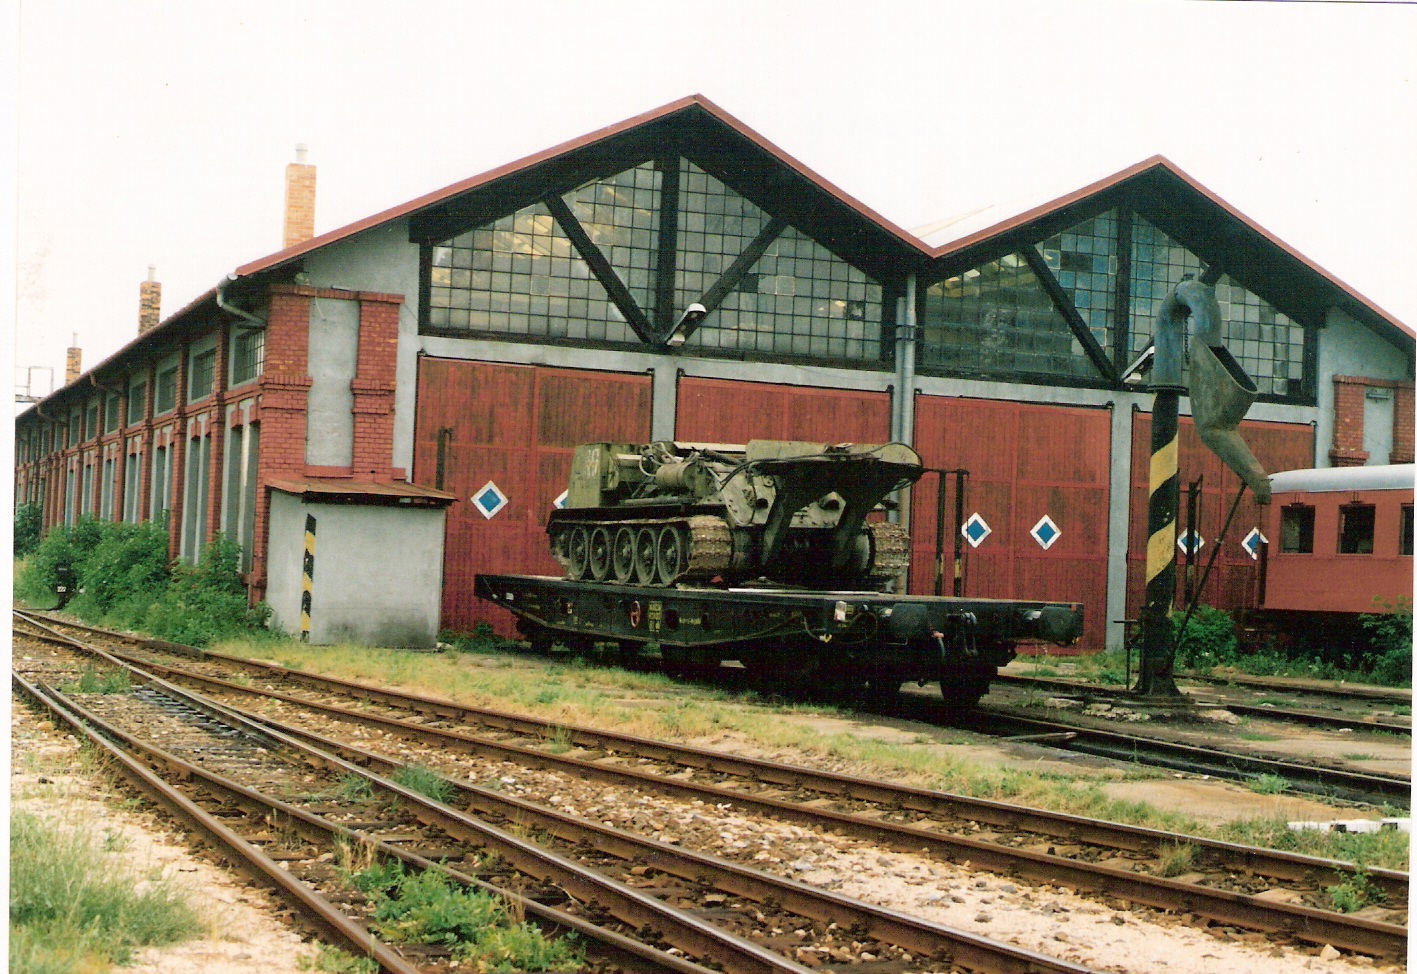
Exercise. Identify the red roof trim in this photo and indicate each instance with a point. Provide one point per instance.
(438, 196)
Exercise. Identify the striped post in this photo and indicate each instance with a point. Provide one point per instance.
(1154, 677)
(307, 578)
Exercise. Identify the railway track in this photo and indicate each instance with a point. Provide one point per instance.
(1310, 718)
(668, 899)
(1226, 884)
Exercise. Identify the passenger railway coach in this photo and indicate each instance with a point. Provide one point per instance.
(1340, 541)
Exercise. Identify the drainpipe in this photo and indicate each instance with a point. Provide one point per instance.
(256, 323)
(903, 405)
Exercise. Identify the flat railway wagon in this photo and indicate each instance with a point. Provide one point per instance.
(1341, 546)
(767, 556)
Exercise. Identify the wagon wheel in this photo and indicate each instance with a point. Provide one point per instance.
(646, 551)
(578, 551)
(671, 558)
(598, 558)
(622, 555)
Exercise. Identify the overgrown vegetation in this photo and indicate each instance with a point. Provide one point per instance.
(125, 580)
(72, 908)
(427, 783)
(29, 525)
(1355, 892)
(618, 699)
(478, 928)
(1377, 649)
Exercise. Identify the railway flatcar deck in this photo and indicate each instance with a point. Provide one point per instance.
(838, 643)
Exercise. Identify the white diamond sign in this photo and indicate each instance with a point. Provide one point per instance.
(975, 530)
(560, 502)
(489, 500)
(1252, 543)
(1190, 542)
(1045, 532)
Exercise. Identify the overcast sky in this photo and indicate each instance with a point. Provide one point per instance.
(158, 133)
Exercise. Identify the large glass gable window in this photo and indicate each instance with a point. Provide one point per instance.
(520, 276)
(998, 320)
(595, 264)
(1011, 318)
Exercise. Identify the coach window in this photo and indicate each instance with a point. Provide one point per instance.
(1355, 529)
(1404, 541)
(1296, 530)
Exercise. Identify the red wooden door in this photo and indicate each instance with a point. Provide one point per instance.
(1025, 462)
(723, 411)
(513, 426)
(1277, 446)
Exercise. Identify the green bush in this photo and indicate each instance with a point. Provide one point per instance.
(1390, 632)
(206, 603)
(1209, 639)
(29, 526)
(128, 565)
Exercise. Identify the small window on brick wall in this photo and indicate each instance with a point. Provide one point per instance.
(1355, 529)
(199, 383)
(248, 355)
(112, 412)
(166, 396)
(1296, 530)
(1404, 540)
(137, 392)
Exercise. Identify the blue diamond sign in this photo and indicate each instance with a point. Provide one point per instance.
(489, 500)
(560, 502)
(975, 530)
(1252, 543)
(1190, 542)
(1045, 532)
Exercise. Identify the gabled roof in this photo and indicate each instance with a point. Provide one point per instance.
(1194, 217)
(694, 127)
(721, 144)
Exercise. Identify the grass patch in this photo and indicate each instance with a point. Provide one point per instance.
(1268, 784)
(652, 706)
(332, 960)
(478, 928)
(427, 783)
(1355, 892)
(73, 908)
(91, 681)
(1176, 858)
(1256, 736)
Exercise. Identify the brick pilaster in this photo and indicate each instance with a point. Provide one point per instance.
(178, 452)
(373, 387)
(145, 466)
(285, 392)
(1347, 449)
(1402, 424)
(217, 428)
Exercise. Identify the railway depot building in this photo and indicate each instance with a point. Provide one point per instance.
(401, 397)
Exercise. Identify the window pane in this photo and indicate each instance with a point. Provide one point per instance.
(1296, 530)
(1355, 529)
(1404, 541)
(998, 321)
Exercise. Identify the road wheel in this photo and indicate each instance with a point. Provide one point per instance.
(622, 555)
(578, 551)
(671, 556)
(646, 553)
(598, 557)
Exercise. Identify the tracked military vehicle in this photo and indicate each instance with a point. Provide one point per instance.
(791, 513)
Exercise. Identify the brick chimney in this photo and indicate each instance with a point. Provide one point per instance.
(299, 200)
(149, 302)
(73, 361)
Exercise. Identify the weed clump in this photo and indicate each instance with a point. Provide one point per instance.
(477, 927)
(70, 909)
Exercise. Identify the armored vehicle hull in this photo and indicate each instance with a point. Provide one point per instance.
(793, 513)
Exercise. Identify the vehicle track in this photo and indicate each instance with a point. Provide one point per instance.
(1225, 883)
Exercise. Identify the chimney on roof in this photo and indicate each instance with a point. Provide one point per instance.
(149, 302)
(73, 361)
(299, 200)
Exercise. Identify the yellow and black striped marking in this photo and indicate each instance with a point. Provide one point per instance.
(307, 578)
